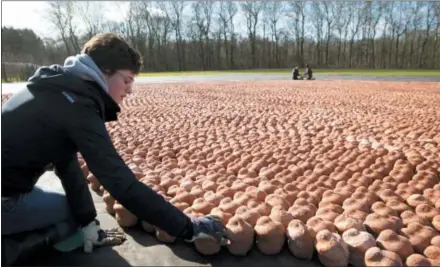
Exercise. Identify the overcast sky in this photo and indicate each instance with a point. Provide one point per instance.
(30, 14)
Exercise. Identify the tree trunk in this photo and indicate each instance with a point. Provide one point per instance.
(396, 53)
(4, 74)
(277, 53)
(231, 59)
(350, 53)
(327, 47)
(434, 56)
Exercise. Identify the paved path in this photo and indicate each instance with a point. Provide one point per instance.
(260, 77)
(142, 249)
(12, 87)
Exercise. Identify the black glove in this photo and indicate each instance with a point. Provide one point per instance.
(209, 226)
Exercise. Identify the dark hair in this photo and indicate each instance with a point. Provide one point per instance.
(111, 53)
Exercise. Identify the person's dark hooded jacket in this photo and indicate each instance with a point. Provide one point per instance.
(62, 111)
(309, 72)
(295, 73)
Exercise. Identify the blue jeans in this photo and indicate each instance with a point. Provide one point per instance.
(40, 208)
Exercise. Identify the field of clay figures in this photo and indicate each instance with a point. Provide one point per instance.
(345, 170)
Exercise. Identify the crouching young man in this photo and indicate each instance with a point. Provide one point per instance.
(62, 111)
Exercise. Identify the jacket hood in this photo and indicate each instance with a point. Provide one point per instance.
(85, 68)
(75, 79)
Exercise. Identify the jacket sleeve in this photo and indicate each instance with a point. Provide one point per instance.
(88, 132)
(77, 191)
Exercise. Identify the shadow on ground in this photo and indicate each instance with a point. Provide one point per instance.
(104, 256)
(143, 249)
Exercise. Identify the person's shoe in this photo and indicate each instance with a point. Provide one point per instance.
(71, 243)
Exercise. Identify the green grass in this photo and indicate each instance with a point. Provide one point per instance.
(12, 80)
(380, 72)
(362, 72)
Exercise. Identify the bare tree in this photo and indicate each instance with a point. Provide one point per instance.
(298, 15)
(435, 62)
(318, 22)
(219, 50)
(355, 8)
(262, 42)
(174, 35)
(129, 23)
(364, 32)
(176, 19)
(70, 8)
(329, 10)
(161, 29)
(429, 24)
(57, 15)
(252, 12)
(231, 11)
(224, 25)
(374, 16)
(341, 22)
(349, 15)
(395, 18)
(412, 35)
(202, 21)
(137, 31)
(404, 22)
(207, 14)
(273, 12)
(91, 13)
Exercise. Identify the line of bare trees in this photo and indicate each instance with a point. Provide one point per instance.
(206, 35)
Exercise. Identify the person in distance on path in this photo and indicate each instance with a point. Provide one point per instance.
(62, 111)
(295, 73)
(308, 73)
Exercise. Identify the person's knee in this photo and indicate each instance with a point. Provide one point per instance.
(52, 203)
(36, 210)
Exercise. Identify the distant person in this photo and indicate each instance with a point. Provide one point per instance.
(308, 73)
(62, 111)
(295, 73)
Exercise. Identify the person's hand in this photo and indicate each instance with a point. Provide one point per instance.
(94, 236)
(209, 227)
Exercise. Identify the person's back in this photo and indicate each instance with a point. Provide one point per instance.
(308, 72)
(35, 121)
(21, 169)
(37, 132)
